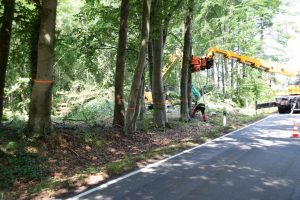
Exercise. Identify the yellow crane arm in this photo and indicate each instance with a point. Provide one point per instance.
(271, 67)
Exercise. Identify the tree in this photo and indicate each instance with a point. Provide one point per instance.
(133, 101)
(40, 106)
(184, 106)
(159, 108)
(119, 111)
(34, 38)
(5, 35)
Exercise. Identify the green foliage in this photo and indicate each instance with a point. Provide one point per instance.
(97, 111)
(21, 166)
(120, 166)
(93, 140)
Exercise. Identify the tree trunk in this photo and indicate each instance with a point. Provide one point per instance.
(5, 35)
(40, 106)
(130, 121)
(218, 73)
(150, 58)
(223, 77)
(34, 39)
(142, 97)
(159, 109)
(184, 107)
(212, 80)
(232, 73)
(190, 91)
(119, 111)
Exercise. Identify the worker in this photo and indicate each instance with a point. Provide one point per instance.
(198, 106)
(201, 107)
(196, 94)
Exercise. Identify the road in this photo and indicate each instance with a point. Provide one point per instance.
(259, 162)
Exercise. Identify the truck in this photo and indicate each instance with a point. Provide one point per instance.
(290, 101)
(287, 103)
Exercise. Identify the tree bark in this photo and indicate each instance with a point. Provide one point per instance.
(130, 120)
(150, 58)
(223, 77)
(119, 111)
(5, 35)
(36, 23)
(190, 91)
(218, 73)
(184, 107)
(159, 107)
(40, 105)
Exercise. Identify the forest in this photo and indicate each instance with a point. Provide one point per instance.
(90, 89)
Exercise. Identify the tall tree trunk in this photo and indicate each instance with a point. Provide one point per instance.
(142, 96)
(218, 73)
(223, 77)
(130, 120)
(190, 91)
(36, 23)
(212, 80)
(159, 108)
(150, 58)
(184, 107)
(226, 74)
(119, 111)
(40, 106)
(232, 73)
(5, 35)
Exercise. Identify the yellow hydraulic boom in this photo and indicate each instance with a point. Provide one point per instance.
(198, 64)
(270, 67)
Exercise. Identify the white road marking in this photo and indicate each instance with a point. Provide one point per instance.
(156, 164)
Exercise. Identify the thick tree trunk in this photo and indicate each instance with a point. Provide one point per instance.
(142, 97)
(130, 120)
(119, 112)
(5, 35)
(40, 106)
(150, 58)
(35, 29)
(158, 96)
(190, 91)
(184, 107)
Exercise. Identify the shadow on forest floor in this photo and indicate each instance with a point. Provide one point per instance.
(78, 156)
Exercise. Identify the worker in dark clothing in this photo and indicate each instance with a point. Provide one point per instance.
(201, 107)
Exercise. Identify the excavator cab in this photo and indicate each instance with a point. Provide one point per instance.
(294, 86)
(200, 63)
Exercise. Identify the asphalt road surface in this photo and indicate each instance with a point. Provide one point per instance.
(260, 161)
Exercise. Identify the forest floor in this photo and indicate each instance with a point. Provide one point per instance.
(78, 156)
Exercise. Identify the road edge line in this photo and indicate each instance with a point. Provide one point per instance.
(105, 185)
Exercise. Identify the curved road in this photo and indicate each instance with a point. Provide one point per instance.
(258, 162)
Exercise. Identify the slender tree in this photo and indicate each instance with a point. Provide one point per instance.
(133, 104)
(5, 35)
(119, 112)
(184, 106)
(41, 94)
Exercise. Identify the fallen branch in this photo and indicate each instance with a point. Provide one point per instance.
(78, 156)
